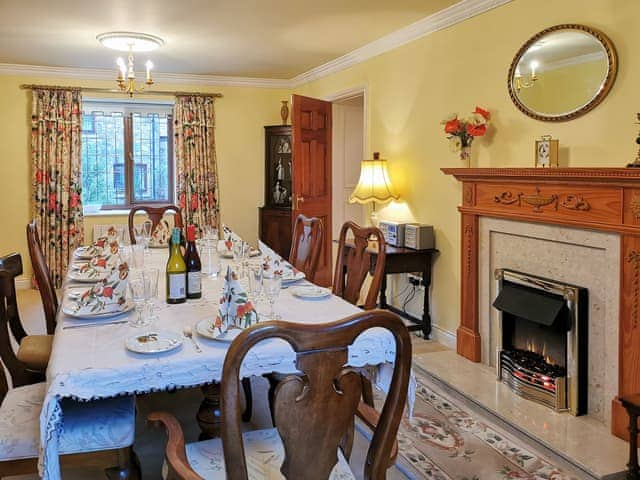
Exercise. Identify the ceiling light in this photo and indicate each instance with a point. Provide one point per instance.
(130, 41)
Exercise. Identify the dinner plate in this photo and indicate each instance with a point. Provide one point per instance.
(310, 292)
(252, 253)
(68, 308)
(90, 276)
(153, 342)
(82, 253)
(288, 276)
(205, 329)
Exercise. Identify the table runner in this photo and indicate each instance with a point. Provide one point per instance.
(92, 363)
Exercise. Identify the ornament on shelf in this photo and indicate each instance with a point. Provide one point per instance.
(546, 153)
(462, 131)
(284, 111)
(636, 162)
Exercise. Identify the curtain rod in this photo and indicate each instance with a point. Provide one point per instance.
(113, 90)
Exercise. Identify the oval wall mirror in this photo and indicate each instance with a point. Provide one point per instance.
(562, 72)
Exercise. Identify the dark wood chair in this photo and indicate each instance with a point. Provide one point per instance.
(308, 234)
(155, 214)
(632, 404)
(354, 262)
(43, 277)
(314, 413)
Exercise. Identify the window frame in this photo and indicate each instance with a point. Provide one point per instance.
(128, 109)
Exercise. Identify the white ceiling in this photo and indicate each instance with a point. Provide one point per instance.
(249, 38)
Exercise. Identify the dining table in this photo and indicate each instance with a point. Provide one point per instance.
(91, 362)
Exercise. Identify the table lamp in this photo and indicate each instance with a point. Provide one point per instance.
(374, 185)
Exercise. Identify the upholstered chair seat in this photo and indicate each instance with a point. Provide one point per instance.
(96, 426)
(264, 453)
(34, 351)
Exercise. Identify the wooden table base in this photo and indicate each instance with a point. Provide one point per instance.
(208, 415)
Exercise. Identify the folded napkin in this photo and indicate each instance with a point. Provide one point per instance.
(235, 309)
(161, 234)
(272, 265)
(104, 245)
(107, 295)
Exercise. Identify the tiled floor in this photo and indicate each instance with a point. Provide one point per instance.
(184, 404)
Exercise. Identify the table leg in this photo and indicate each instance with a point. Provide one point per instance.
(209, 416)
(426, 315)
(383, 292)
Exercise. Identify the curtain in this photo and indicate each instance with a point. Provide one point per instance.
(196, 164)
(56, 121)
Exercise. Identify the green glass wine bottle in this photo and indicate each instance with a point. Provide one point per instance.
(176, 271)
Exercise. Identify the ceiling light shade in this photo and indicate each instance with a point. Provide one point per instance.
(374, 184)
(130, 41)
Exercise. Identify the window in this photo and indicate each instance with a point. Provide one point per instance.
(127, 155)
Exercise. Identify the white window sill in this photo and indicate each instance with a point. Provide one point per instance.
(105, 213)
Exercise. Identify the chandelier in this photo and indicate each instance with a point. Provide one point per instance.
(131, 42)
(521, 82)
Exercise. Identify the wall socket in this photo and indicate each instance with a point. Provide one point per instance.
(415, 279)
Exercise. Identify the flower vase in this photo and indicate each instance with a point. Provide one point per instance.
(284, 111)
(465, 155)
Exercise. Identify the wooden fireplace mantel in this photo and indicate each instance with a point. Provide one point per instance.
(590, 198)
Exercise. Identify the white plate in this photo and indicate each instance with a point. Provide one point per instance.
(203, 327)
(153, 342)
(310, 292)
(68, 309)
(76, 276)
(82, 254)
(228, 254)
(289, 277)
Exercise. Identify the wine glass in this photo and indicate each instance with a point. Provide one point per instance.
(255, 281)
(139, 297)
(272, 286)
(147, 226)
(150, 276)
(137, 256)
(138, 233)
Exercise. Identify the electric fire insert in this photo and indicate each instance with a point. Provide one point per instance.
(542, 342)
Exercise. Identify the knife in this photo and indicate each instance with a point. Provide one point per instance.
(115, 322)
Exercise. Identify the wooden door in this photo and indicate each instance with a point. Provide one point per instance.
(311, 132)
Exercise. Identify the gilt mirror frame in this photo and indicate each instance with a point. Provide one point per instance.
(612, 58)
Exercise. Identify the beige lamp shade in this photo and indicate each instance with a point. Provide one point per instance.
(374, 184)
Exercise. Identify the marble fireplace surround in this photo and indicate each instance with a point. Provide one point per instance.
(584, 258)
(589, 200)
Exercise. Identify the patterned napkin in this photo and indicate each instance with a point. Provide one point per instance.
(161, 234)
(272, 265)
(108, 295)
(104, 245)
(235, 308)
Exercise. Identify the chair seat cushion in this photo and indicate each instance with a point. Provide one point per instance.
(264, 453)
(35, 350)
(86, 427)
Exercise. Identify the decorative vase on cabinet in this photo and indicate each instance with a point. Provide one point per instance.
(275, 215)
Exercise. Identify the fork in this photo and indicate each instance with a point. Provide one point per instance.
(188, 333)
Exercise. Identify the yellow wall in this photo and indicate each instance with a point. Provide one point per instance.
(240, 115)
(410, 89)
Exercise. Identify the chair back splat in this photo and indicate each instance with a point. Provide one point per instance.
(155, 214)
(355, 261)
(308, 234)
(315, 412)
(43, 278)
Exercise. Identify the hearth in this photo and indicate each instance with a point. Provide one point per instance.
(542, 346)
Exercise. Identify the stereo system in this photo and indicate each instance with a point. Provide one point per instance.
(409, 235)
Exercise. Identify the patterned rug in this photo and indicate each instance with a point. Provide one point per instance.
(443, 441)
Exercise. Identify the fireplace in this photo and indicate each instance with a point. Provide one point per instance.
(542, 342)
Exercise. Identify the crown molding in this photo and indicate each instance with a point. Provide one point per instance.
(169, 78)
(447, 17)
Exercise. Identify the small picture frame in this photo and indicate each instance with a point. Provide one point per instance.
(546, 152)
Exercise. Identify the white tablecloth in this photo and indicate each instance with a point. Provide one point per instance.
(91, 363)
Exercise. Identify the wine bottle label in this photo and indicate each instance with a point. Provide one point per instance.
(177, 285)
(194, 280)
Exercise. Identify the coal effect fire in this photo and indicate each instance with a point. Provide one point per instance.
(535, 362)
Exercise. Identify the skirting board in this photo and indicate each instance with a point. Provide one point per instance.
(23, 283)
(445, 337)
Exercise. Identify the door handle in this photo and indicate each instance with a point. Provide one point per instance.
(299, 200)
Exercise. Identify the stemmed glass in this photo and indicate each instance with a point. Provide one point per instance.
(238, 250)
(150, 276)
(255, 281)
(272, 286)
(139, 292)
(147, 226)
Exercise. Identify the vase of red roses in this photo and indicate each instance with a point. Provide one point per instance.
(462, 131)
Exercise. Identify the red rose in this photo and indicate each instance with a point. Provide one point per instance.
(476, 131)
(194, 201)
(108, 292)
(482, 112)
(53, 198)
(452, 126)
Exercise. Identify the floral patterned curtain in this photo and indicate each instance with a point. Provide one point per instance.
(56, 121)
(196, 164)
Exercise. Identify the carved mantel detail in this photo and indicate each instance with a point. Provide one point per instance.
(602, 199)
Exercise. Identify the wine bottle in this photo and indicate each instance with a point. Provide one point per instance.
(176, 272)
(194, 267)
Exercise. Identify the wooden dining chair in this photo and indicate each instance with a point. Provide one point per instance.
(155, 214)
(43, 277)
(314, 412)
(355, 261)
(105, 427)
(308, 235)
(33, 350)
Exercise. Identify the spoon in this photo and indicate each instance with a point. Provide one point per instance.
(188, 333)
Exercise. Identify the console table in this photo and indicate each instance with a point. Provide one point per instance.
(406, 260)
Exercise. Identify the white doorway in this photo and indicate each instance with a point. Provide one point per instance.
(347, 153)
